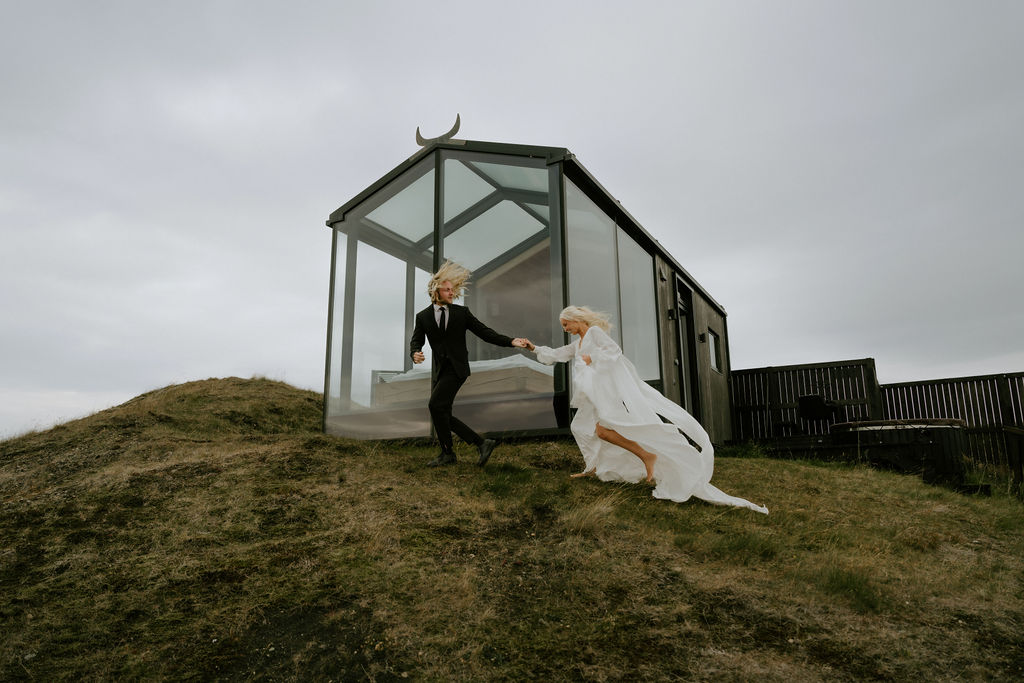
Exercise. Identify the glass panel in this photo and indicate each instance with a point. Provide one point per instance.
(590, 256)
(420, 297)
(379, 345)
(366, 400)
(515, 177)
(639, 314)
(374, 391)
(498, 231)
(399, 219)
(541, 211)
(462, 188)
(508, 249)
(714, 345)
(410, 212)
(515, 299)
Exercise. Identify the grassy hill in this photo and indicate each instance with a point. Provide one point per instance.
(208, 531)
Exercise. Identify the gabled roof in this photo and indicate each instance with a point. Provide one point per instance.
(573, 169)
(549, 154)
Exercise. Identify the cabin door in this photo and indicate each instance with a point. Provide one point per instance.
(685, 360)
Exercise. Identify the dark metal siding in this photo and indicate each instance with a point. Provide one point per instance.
(715, 412)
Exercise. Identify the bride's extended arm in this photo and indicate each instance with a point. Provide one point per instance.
(548, 355)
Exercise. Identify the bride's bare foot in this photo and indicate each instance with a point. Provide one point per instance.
(648, 459)
(578, 475)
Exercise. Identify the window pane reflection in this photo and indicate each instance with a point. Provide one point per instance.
(379, 344)
(515, 177)
(715, 348)
(591, 256)
(506, 243)
(639, 314)
(496, 222)
(463, 188)
(409, 213)
(491, 236)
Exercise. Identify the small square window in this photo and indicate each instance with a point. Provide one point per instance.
(715, 347)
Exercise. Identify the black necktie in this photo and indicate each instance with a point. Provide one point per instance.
(441, 325)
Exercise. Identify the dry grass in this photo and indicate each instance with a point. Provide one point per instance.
(207, 531)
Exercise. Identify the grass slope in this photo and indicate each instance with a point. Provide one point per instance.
(208, 531)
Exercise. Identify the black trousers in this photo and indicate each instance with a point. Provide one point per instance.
(442, 395)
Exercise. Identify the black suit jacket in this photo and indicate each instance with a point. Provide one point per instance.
(451, 343)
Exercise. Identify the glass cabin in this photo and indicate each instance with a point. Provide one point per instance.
(538, 232)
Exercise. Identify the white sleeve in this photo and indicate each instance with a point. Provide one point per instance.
(601, 347)
(548, 355)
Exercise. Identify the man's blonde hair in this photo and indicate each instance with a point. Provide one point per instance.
(585, 315)
(451, 272)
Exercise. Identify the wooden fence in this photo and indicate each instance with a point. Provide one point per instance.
(801, 400)
(787, 404)
(986, 401)
(989, 404)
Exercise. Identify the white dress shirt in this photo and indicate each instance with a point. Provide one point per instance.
(437, 314)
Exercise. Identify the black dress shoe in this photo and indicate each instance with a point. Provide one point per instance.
(445, 458)
(485, 447)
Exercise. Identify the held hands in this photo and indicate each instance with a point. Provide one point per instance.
(586, 358)
(522, 343)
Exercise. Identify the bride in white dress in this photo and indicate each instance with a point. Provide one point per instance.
(626, 429)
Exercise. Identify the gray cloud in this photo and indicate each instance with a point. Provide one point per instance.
(842, 177)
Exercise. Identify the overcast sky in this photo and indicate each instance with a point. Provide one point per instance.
(845, 178)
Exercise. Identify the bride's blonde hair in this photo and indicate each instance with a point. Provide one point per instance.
(452, 272)
(585, 315)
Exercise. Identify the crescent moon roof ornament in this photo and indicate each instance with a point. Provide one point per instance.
(423, 142)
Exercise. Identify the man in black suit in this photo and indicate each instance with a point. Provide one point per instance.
(444, 325)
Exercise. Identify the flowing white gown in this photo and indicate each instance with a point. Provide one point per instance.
(610, 391)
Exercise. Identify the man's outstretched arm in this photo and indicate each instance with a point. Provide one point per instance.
(416, 343)
(486, 333)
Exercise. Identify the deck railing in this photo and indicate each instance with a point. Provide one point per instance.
(767, 403)
(989, 404)
(788, 403)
